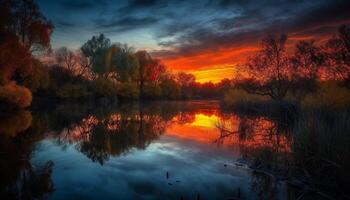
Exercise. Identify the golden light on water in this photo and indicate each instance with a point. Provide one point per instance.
(206, 121)
(202, 129)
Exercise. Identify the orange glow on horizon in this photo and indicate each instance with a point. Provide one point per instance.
(211, 66)
(214, 75)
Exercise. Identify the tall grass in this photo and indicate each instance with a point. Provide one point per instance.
(236, 96)
(328, 94)
(321, 149)
(72, 91)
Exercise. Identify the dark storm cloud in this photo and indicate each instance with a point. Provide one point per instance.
(65, 24)
(227, 3)
(127, 23)
(77, 5)
(133, 6)
(323, 14)
(143, 3)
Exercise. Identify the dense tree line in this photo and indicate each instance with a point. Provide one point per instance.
(101, 69)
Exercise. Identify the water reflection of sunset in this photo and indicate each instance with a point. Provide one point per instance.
(202, 129)
(246, 133)
(260, 133)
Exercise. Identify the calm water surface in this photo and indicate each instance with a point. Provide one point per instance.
(159, 150)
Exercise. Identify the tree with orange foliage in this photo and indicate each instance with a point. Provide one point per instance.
(14, 58)
(23, 30)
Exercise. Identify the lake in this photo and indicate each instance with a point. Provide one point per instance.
(156, 150)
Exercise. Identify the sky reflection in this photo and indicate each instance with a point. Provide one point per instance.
(193, 169)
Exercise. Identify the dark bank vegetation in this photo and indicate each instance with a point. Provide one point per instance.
(321, 154)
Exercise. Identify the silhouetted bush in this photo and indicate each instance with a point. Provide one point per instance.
(59, 76)
(104, 87)
(72, 91)
(39, 78)
(170, 89)
(128, 90)
(152, 91)
(235, 96)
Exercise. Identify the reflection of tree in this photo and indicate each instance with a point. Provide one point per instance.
(103, 134)
(264, 185)
(185, 117)
(117, 134)
(30, 183)
(13, 123)
(264, 144)
(19, 179)
(260, 140)
(103, 131)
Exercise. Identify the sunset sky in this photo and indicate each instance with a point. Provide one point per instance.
(204, 37)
